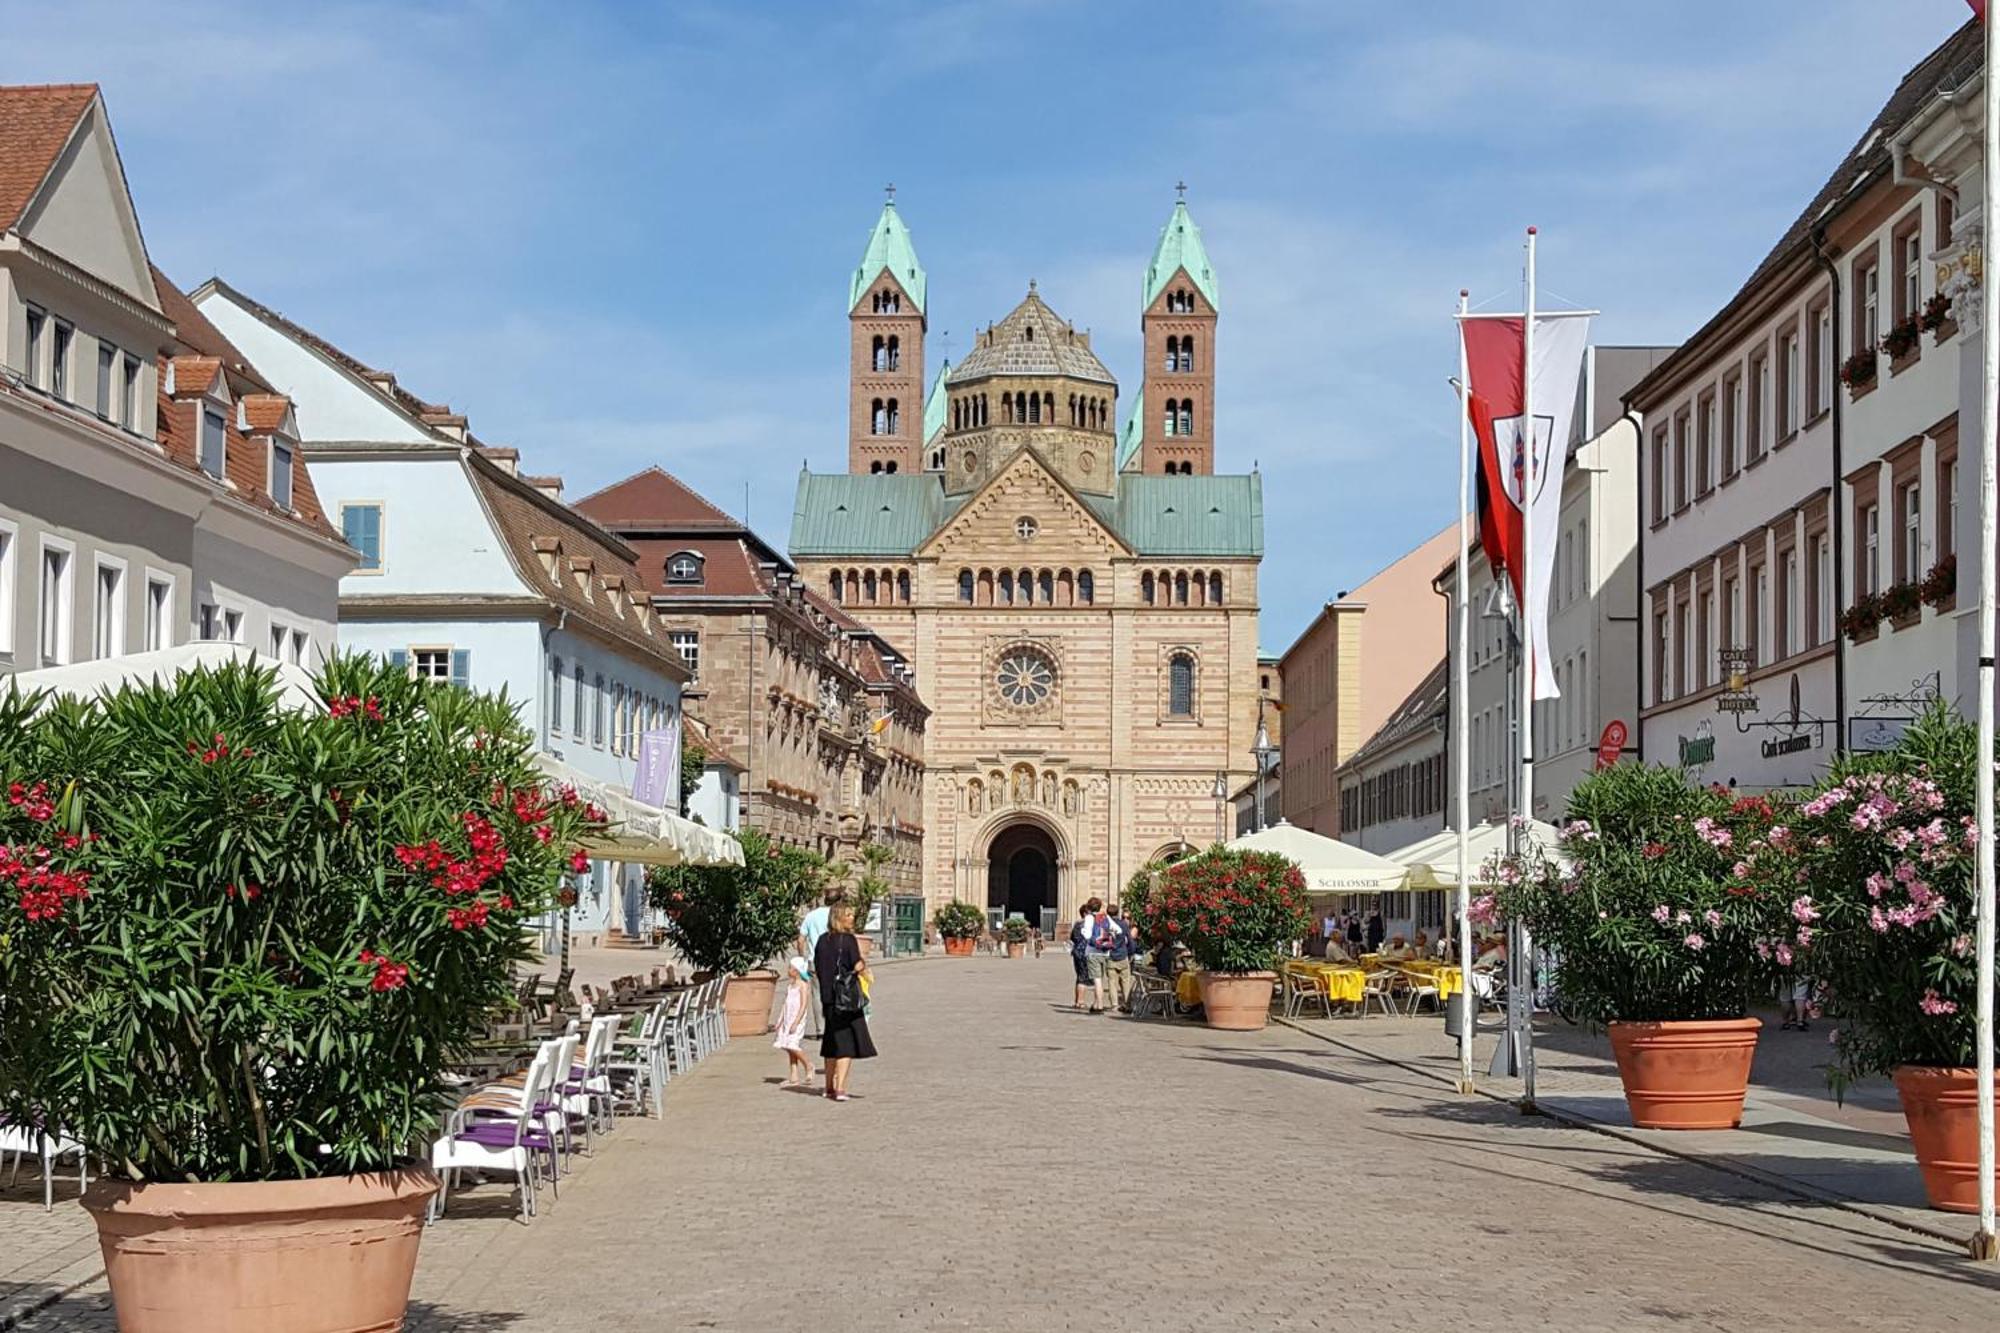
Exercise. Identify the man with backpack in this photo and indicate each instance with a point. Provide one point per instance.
(1102, 933)
(1118, 972)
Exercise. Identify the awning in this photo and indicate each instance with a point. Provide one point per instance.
(108, 675)
(1433, 861)
(1329, 866)
(640, 833)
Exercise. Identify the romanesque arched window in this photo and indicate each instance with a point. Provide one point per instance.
(1006, 597)
(1026, 582)
(1180, 685)
(1065, 589)
(876, 466)
(1048, 585)
(889, 466)
(1187, 414)
(895, 353)
(1035, 408)
(1180, 589)
(895, 418)
(1146, 588)
(1171, 422)
(1086, 588)
(1187, 353)
(877, 357)
(985, 587)
(878, 418)
(868, 591)
(965, 586)
(1049, 408)
(1215, 588)
(903, 585)
(1006, 409)
(833, 585)
(955, 422)
(937, 460)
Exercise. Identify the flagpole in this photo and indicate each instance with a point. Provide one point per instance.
(1529, 479)
(1462, 776)
(1984, 1244)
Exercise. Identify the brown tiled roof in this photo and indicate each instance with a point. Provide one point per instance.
(196, 335)
(714, 751)
(36, 122)
(654, 499)
(193, 375)
(727, 566)
(265, 412)
(531, 523)
(1959, 57)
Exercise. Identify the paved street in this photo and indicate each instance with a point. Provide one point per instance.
(1010, 1165)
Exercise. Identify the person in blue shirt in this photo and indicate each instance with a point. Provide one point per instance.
(1118, 972)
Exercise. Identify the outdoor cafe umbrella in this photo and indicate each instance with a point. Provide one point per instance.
(1329, 866)
(163, 666)
(1433, 862)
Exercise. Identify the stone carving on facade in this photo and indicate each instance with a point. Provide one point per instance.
(1961, 272)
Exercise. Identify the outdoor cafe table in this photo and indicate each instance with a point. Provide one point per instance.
(1343, 982)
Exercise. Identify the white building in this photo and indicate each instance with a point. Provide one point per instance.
(151, 490)
(1395, 790)
(1593, 629)
(1802, 464)
(473, 573)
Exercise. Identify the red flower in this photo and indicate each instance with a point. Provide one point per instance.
(579, 861)
(1655, 850)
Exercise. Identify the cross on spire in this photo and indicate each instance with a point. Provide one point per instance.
(890, 189)
(1180, 190)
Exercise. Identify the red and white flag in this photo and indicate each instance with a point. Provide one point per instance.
(1510, 471)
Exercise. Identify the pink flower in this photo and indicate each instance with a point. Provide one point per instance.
(1805, 936)
(1784, 955)
(1694, 942)
(1961, 946)
(1803, 910)
(1936, 1006)
(1714, 919)
(1661, 914)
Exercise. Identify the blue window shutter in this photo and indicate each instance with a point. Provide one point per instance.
(461, 667)
(399, 658)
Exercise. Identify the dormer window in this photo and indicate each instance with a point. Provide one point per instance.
(281, 473)
(214, 442)
(684, 567)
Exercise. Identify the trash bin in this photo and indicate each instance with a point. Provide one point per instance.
(1460, 1009)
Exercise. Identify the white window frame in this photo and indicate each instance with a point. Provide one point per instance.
(1794, 387)
(280, 635)
(64, 651)
(690, 660)
(301, 647)
(1911, 243)
(62, 344)
(221, 469)
(1823, 354)
(131, 371)
(1871, 543)
(290, 473)
(437, 650)
(98, 624)
(107, 365)
(37, 338)
(10, 567)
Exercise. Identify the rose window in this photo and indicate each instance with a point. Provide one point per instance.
(1025, 678)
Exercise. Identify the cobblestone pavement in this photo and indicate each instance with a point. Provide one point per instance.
(1008, 1165)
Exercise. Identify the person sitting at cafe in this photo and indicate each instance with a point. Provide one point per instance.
(1336, 952)
(1398, 950)
(1422, 947)
(1495, 954)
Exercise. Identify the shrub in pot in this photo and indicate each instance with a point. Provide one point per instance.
(1657, 936)
(1015, 931)
(870, 887)
(731, 920)
(240, 946)
(1237, 912)
(1886, 850)
(959, 923)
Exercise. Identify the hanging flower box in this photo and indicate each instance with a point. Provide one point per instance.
(1900, 601)
(1859, 370)
(1940, 586)
(1861, 620)
(1903, 338)
(1937, 313)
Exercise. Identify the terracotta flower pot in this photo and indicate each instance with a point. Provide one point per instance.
(1237, 1001)
(1015, 948)
(957, 947)
(1942, 1108)
(333, 1255)
(747, 1002)
(1688, 1074)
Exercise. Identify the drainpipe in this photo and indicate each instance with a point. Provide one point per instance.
(1836, 501)
(1639, 617)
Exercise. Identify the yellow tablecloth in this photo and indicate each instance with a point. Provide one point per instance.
(1444, 976)
(1187, 987)
(1343, 983)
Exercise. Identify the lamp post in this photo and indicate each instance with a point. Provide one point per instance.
(1221, 794)
(1264, 752)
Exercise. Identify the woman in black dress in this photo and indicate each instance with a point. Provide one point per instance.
(844, 1037)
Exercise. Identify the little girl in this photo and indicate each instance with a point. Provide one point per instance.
(792, 1025)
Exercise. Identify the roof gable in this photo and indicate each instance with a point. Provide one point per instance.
(1180, 251)
(1024, 486)
(890, 248)
(78, 205)
(654, 498)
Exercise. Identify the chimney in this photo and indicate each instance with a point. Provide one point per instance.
(552, 487)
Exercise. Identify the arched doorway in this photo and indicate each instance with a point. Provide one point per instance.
(1021, 873)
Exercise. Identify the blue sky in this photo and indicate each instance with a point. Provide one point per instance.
(620, 234)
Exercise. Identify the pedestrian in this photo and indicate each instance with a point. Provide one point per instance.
(1376, 931)
(1353, 934)
(1795, 1005)
(810, 931)
(1104, 935)
(1329, 931)
(792, 1025)
(841, 970)
(1079, 952)
(1118, 972)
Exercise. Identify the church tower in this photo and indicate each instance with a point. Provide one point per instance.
(885, 374)
(1173, 414)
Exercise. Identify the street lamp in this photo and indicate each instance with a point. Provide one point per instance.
(1221, 794)
(1265, 752)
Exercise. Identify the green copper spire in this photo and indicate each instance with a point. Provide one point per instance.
(889, 247)
(1134, 430)
(1180, 248)
(936, 405)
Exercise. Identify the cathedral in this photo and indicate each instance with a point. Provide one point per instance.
(1073, 582)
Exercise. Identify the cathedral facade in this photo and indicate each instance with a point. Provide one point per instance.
(1074, 584)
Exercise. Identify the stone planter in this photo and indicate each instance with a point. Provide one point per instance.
(1687, 1074)
(1237, 1001)
(1016, 948)
(747, 1002)
(1942, 1108)
(958, 947)
(333, 1255)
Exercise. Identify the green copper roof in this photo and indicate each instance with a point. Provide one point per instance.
(889, 247)
(872, 514)
(1179, 248)
(936, 406)
(1133, 430)
(1192, 516)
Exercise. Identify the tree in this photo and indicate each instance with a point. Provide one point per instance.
(730, 919)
